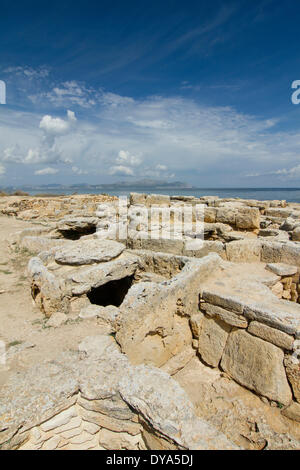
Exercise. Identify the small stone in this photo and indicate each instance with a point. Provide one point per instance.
(91, 428)
(52, 443)
(292, 412)
(57, 319)
(62, 418)
(212, 340)
(230, 318)
(196, 322)
(282, 269)
(277, 290)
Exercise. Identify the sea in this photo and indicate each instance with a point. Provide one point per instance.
(260, 194)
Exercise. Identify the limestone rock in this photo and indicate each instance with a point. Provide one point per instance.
(296, 234)
(89, 252)
(247, 251)
(178, 362)
(282, 269)
(107, 314)
(78, 224)
(292, 365)
(292, 412)
(230, 318)
(212, 340)
(279, 338)
(96, 346)
(196, 323)
(257, 365)
(248, 218)
(57, 319)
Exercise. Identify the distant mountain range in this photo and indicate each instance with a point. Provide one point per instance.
(140, 184)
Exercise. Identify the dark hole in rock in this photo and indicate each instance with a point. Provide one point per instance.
(74, 234)
(111, 293)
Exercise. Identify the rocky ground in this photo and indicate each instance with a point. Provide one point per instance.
(28, 336)
(31, 337)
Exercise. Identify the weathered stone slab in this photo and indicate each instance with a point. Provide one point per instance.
(212, 340)
(226, 301)
(85, 279)
(247, 251)
(248, 218)
(292, 366)
(77, 224)
(196, 322)
(282, 269)
(230, 318)
(89, 252)
(277, 337)
(292, 412)
(257, 365)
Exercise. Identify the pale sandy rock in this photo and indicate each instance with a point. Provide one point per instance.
(296, 234)
(89, 252)
(52, 443)
(282, 269)
(279, 212)
(178, 362)
(277, 289)
(159, 199)
(279, 338)
(118, 441)
(165, 405)
(35, 244)
(210, 214)
(109, 422)
(108, 314)
(292, 366)
(137, 198)
(212, 340)
(247, 218)
(288, 225)
(246, 251)
(196, 323)
(78, 224)
(97, 346)
(57, 319)
(206, 248)
(257, 365)
(226, 316)
(292, 412)
(91, 428)
(91, 277)
(226, 215)
(61, 419)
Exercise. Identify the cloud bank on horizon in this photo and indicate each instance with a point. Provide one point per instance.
(73, 130)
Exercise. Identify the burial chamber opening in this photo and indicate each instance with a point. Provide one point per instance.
(75, 234)
(111, 293)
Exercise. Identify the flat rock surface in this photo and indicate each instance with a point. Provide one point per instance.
(89, 252)
(282, 269)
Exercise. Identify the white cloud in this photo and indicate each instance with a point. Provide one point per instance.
(125, 157)
(46, 171)
(161, 167)
(70, 93)
(79, 171)
(2, 170)
(56, 126)
(121, 170)
(28, 72)
(159, 137)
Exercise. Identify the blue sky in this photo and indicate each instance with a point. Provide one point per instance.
(197, 91)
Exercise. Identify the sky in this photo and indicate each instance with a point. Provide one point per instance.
(107, 91)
